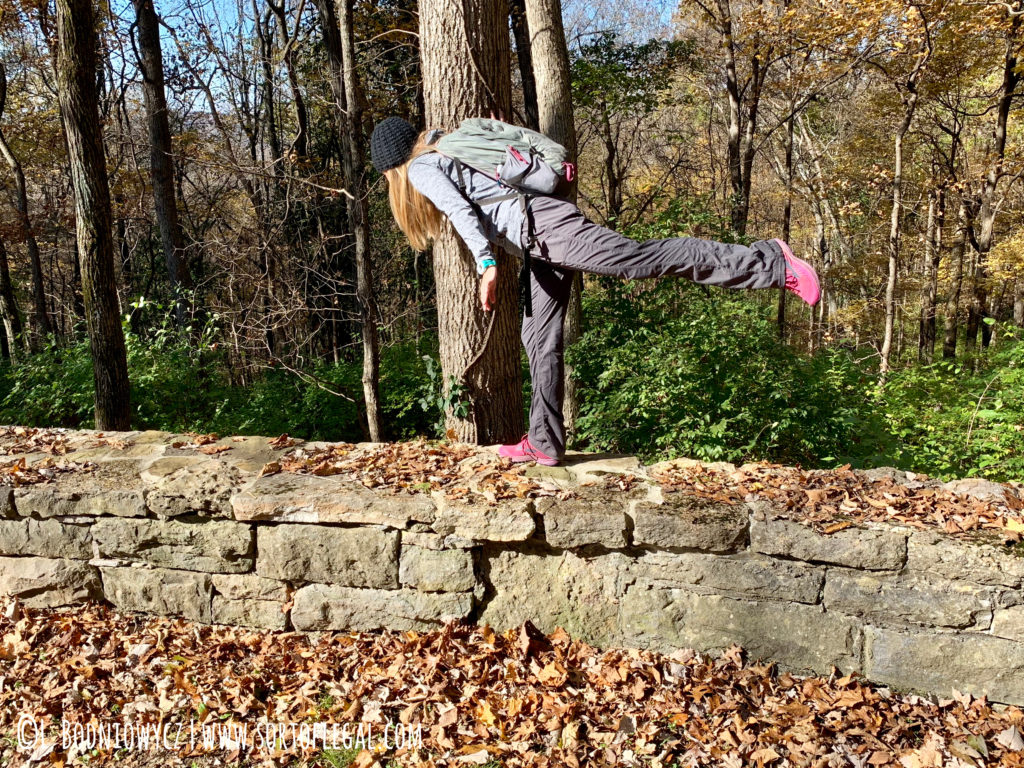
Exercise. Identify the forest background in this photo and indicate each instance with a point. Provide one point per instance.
(882, 138)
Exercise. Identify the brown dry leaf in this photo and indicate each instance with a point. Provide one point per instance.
(270, 468)
(213, 450)
(1011, 738)
(365, 759)
(282, 441)
(1015, 524)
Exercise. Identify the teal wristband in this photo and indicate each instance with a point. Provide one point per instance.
(488, 263)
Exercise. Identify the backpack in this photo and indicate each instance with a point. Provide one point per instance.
(527, 162)
(520, 158)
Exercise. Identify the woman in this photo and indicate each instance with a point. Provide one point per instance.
(423, 187)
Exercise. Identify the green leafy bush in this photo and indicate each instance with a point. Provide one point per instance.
(667, 370)
(951, 421)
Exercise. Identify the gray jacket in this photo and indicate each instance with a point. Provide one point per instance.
(434, 176)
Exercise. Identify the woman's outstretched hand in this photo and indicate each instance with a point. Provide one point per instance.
(488, 283)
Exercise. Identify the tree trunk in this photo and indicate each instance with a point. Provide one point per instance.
(735, 128)
(9, 307)
(77, 45)
(266, 38)
(355, 167)
(456, 86)
(932, 259)
(953, 309)
(556, 119)
(989, 206)
(300, 143)
(524, 54)
(787, 216)
(895, 219)
(161, 158)
(1018, 303)
(40, 324)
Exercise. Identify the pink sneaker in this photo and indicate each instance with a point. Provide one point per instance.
(801, 278)
(523, 451)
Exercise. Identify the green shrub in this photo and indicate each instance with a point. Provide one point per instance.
(952, 422)
(668, 370)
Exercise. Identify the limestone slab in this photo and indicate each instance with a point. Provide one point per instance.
(433, 570)
(689, 522)
(913, 598)
(893, 599)
(979, 488)
(163, 591)
(958, 558)
(854, 547)
(43, 582)
(45, 538)
(800, 637)
(6, 501)
(745, 574)
(478, 521)
(260, 614)
(579, 594)
(217, 546)
(351, 557)
(291, 497)
(249, 586)
(591, 518)
(183, 485)
(1009, 623)
(332, 607)
(938, 662)
(112, 488)
(590, 468)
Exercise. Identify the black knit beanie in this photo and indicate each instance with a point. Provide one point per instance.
(391, 143)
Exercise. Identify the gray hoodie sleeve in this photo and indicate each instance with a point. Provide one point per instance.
(438, 187)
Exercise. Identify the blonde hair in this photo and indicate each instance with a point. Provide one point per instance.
(417, 217)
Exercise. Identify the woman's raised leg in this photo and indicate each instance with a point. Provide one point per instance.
(566, 238)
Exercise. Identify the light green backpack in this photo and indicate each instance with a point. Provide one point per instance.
(519, 157)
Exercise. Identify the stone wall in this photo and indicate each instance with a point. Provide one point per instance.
(216, 533)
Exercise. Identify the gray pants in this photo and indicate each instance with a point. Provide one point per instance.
(568, 242)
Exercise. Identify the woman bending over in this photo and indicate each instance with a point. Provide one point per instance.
(423, 187)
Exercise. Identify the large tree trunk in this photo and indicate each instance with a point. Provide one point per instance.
(355, 167)
(161, 158)
(555, 119)
(77, 45)
(40, 316)
(455, 86)
(8, 307)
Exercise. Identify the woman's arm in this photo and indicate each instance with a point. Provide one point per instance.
(437, 187)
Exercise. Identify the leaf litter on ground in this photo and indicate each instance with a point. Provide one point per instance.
(513, 699)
